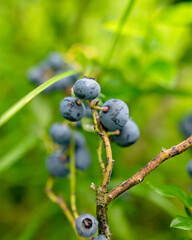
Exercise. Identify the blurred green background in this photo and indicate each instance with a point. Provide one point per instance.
(141, 55)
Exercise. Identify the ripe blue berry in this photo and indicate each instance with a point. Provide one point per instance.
(86, 88)
(189, 168)
(34, 74)
(100, 237)
(186, 126)
(60, 133)
(56, 165)
(71, 110)
(82, 159)
(128, 135)
(86, 225)
(116, 116)
(55, 60)
(80, 141)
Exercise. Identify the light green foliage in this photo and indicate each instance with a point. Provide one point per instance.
(140, 52)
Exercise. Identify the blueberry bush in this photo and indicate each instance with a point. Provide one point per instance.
(105, 99)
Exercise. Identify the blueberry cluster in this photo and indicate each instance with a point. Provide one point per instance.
(53, 65)
(58, 162)
(114, 114)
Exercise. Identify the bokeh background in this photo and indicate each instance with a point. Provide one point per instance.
(143, 58)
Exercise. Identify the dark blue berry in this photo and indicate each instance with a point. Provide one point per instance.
(86, 225)
(34, 74)
(186, 126)
(86, 88)
(100, 237)
(116, 116)
(60, 133)
(129, 134)
(65, 83)
(82, 159)
(56, 164)
(55, 60)
(189, 168)
(88, 112)
(71, 110)
(80, 141)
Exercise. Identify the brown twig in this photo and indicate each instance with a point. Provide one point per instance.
(139, 176)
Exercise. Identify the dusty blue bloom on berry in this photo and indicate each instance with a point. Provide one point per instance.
(82, 159)
(100, 237)
(86, 88)
(71, 110)
(117, 115)
(129, 134)
(86, 225)
(57, 165)
(60, 133)
(55, 60)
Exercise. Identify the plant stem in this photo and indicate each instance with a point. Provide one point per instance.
(139, 176)
(21, 103)
(60, 201)
(72, 177)
(99, 154)
(121, 24)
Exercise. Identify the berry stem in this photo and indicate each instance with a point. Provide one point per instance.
(117, 132)
(73, 177)
(99, 154)
(60, 201)
(104, 109)
(154, 163)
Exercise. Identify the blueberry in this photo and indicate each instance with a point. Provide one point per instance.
(70, 110)
(88, 112)
(65, 83)
(116, 116)
(86, 88)
(57, 165)
(80, 141)
(186, 126)
(55, 60)
(34, 74)
(86, 225)
(100, 237)
(128, 135)
(82, 159)
(60, 133)
(189, 168)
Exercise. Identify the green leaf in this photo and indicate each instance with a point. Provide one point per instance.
(21, 103)
(39, 105)
(177, 15)
(169, 190)
(120, 223)
(182, 223)
(17, 152)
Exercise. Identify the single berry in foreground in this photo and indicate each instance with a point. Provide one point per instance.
(100, 237)
(86, 225)
(86, 88)
(71, 110)
(116, 116)
(189, 168)
(57, 165)
(128, 135)
(82, 159)
(60, 133)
